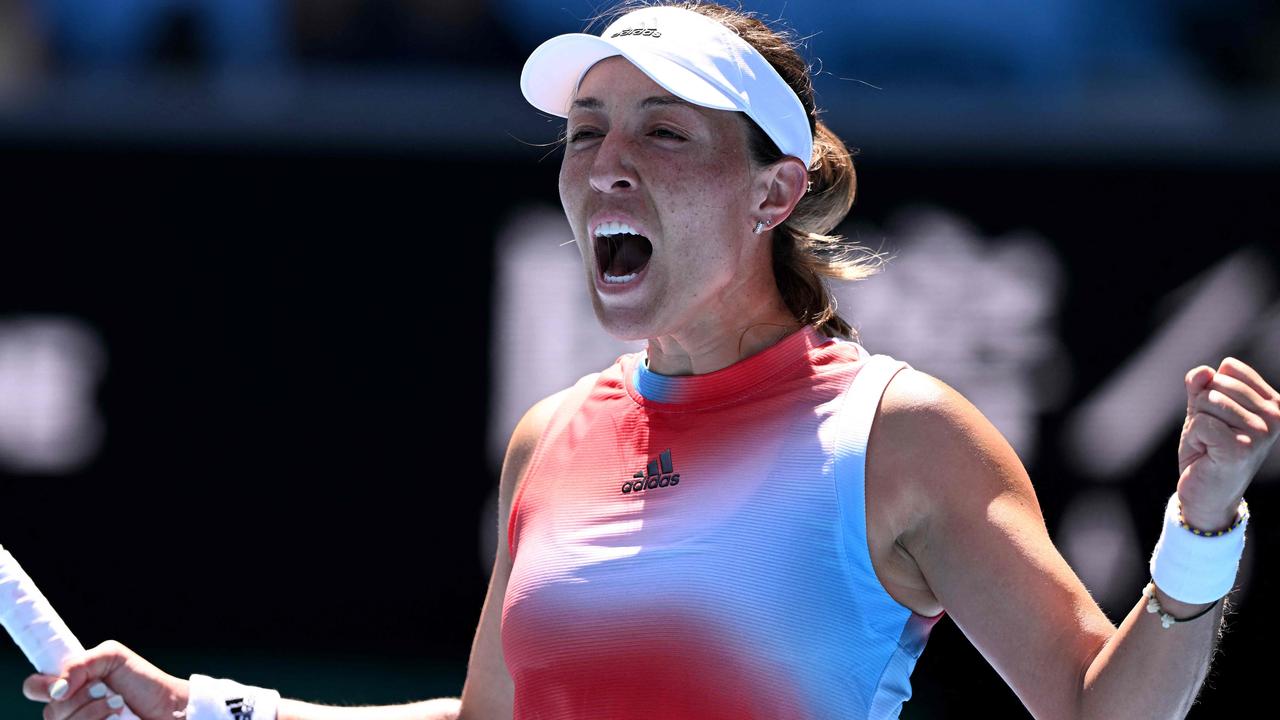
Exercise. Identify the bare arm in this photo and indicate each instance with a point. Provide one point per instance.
(1145, 670)
(439, 709)
(155, 695)
(986, 554)
(1233, 418)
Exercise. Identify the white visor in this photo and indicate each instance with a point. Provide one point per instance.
(692, 56)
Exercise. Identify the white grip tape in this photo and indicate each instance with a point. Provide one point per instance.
(32, 623)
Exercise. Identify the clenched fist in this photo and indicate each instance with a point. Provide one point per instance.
(1233, 419)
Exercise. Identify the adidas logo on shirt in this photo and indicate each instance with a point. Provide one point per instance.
(659, 474)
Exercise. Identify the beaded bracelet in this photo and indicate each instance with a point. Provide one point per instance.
(1242, 511)
(1196, 568)
(1166, 620)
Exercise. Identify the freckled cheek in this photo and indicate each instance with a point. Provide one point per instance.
(712, 186)
(698, 214)
(570, 186)
(575, 176)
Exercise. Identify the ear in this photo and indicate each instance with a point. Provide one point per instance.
(781, 186)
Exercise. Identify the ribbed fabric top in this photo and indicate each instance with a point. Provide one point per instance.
(696, 546)
(727, 384)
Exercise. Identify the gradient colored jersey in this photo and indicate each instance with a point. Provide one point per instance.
(695, 547)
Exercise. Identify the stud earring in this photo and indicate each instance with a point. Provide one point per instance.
(761, 225)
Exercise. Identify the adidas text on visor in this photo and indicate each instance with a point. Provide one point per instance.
(692, 56)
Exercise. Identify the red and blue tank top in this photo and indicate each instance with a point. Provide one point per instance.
(696, 546)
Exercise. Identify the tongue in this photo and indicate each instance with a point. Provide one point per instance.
(631, 254)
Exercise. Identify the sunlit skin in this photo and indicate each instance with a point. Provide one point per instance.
(682, 175)
(952, 518)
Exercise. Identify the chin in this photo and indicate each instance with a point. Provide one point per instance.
(625, 323)
(633, 318)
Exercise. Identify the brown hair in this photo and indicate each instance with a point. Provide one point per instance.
(803, 251)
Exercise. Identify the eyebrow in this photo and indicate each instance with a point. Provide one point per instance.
(590, 103)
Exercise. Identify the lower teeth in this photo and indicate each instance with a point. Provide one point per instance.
(619, 278)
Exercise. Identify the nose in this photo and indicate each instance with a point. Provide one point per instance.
(611, 168)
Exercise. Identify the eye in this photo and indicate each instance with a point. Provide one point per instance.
(581, 134)
(668, 133)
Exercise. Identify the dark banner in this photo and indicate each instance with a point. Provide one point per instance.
(252, 403)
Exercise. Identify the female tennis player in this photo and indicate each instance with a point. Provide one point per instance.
(754, 517)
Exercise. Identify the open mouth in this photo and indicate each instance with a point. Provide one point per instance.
(620, 256)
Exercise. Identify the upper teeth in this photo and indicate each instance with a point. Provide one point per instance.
(614, 227)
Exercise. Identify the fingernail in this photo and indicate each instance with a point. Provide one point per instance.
(58, 689)
(98, 691)
(115, 702)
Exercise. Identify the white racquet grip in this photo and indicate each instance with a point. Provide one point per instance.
(34, 626)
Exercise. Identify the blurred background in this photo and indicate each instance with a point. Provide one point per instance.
(277, 278)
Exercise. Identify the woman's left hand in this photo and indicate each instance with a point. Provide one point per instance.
(1233, 419)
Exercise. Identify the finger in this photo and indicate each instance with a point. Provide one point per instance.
(1211, 433)
(1248, 398)
(70, 707)
(1226, 409)
(1238, 369)
(93, 665)
(98, 709)
(1195, 380)
(36, 687)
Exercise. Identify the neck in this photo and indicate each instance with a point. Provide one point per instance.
(713, 345)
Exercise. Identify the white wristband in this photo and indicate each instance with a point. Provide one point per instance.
(214, 699)
(1195, 568)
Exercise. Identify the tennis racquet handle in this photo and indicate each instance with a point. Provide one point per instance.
(32, 623)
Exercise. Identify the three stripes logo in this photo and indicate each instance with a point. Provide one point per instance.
(659, 474)
(240, 708)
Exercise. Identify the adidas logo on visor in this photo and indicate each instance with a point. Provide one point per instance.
(644, 32)
(698, 60)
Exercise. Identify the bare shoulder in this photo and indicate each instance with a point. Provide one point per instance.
(525, 438)
(531, 426)
(940, 441)
(904, 469)
(977, 535)
(914, 434)
(914, 396)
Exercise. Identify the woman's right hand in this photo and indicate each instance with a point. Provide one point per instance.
(150, 693)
